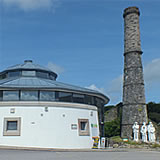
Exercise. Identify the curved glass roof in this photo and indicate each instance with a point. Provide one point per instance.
(38, 81)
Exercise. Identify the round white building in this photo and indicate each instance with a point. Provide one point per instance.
(38, 111)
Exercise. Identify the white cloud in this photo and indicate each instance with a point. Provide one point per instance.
(31, 4)
(114, 95)
(116, 85)
(115, 90)
(55, 68)
(151, 76)
(152, 71)
(94, 87)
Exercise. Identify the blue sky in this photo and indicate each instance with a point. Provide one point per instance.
(81, 40)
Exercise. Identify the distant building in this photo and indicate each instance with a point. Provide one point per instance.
(38, 111)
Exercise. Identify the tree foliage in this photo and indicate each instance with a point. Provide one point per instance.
(112, 128)
(154, 111)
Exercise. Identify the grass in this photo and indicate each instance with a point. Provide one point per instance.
(155, 145)
(117, 139)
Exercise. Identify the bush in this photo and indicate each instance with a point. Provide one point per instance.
(112, 128)
(154, 117)
(154, 111)
(153, 107)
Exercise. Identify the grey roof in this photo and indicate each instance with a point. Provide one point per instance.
(24, 82)
(41, 83)
(29, 65)
(35, 82)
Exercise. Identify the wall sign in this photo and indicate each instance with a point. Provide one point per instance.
(74, 126)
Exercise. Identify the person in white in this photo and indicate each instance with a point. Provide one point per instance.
(135, 128)
(151, 133)
(144, 132)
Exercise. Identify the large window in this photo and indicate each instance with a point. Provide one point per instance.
(89, 100)
(99, 102)
(28, 73)
(3, 76)
(14, 74)
(40, 95)
(78, 98)
(65, 97)
(29, 95)
(52, 76)
(12, 126)
(1, 95)
(47, 96)
(42, 74)
(83, 127)
(10, 95)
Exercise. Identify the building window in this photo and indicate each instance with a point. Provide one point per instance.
(3, 76)
(47, 96)
(99, 102)
(29, 95)
(14, 74)
(52, 76)
(83, 127)
(89, 100)
(78, 98)
(12, 126)
(1, 95)
(10, 95)
(42, 74)
(65, 97)
(29, 73)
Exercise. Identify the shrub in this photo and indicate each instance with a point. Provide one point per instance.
(112, 128)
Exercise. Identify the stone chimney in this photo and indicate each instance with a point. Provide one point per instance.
(134, 106)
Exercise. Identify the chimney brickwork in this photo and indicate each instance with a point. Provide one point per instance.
(134, 107)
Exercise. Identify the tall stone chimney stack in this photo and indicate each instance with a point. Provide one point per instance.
(134, 106)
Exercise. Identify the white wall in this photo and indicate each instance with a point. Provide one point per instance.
(50, 129)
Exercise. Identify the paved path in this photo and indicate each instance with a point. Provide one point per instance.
(6, 154)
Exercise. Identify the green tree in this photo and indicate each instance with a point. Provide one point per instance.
(112, 128)
(154, 111)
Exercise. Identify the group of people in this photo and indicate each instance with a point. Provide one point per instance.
(150, 129)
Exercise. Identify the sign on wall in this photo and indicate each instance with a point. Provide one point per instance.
(94, 130)
(74, 126)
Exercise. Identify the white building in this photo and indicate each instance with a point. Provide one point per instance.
(38, 111)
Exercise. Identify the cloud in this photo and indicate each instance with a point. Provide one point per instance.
(94, 87)
(151, 77)
(55, 68)
(116, 85)
(152, 71)
(115, 90)
(31, 4)
(114, 95)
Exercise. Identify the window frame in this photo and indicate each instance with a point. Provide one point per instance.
(16, 73)
(42, 74)
(41, 92)
(62, 96)
(10, 91)
(28, 73)
(29, 91)
(12, 132)
(85, 132)
(78, 98)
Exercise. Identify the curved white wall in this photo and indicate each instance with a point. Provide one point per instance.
(49, 129)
